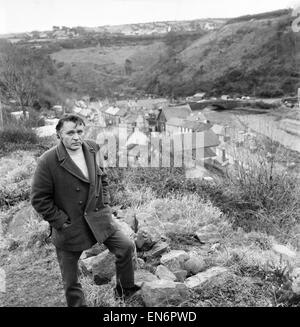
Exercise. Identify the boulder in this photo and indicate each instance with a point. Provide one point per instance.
(24, 219)
(159, 248)
(194, 264)
(128, 216)
(174, 259)
(151, 225)
(145, 239)
(164, 293)
(180, 275)
(140, 276)
(102, 267)
(93, 251)
(202, 277)
(164, 273)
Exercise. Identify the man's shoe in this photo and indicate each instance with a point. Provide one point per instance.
(125, 293)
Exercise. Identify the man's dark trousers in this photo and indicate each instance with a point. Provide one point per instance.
(119, 244)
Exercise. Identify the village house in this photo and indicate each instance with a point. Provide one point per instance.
(195, 148)
(167, 113)
(113, 115)
(221, 131)
(195, 126)
(174, 125)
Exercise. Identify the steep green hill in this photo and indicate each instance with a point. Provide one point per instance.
(251, 55)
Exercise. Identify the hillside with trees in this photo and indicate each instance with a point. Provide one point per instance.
(252, 55)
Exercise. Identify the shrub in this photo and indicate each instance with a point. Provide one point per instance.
(17, 133)
(12, 194)
(261, 195)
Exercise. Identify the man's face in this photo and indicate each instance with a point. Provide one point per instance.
(71, 135)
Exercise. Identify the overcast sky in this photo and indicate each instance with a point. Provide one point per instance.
(29, 15)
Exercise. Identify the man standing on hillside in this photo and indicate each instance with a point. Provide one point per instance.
(70, 191)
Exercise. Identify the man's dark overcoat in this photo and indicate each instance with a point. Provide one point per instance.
(61, 193)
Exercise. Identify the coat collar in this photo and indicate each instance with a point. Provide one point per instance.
(67, 163)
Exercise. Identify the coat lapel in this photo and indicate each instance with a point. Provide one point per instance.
(68, 164)
(89, 154)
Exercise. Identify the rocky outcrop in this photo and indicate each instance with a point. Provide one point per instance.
(202, 277)
(164, 273)
(164, 293)
(180, 275)
(101, 267)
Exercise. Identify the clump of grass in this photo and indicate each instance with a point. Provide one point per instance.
(188, 212)
(262, 196)
(229, 290)
(97, 295)
(17, 133)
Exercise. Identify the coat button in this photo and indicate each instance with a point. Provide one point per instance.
(80, 202)
(77, 189)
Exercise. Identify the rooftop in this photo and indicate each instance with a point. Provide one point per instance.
(177, 111)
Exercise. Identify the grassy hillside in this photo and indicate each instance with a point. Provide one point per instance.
(252, 55)
(255, 57)
(242, 216)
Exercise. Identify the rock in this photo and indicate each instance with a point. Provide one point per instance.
(102, 267)
(197, 280)
(140, 276)
(23, 222)
(174, 259)
(140, 239)
(151, 225)
(164, 273)
(93, 251)
(296, 281)
(128, 216)
(194, 264)
(164, 293)
(180, 275)
(159, 248)
(284, 250)
(145, 240)
(208, 234)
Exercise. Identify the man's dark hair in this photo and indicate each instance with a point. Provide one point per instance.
(69, 117)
